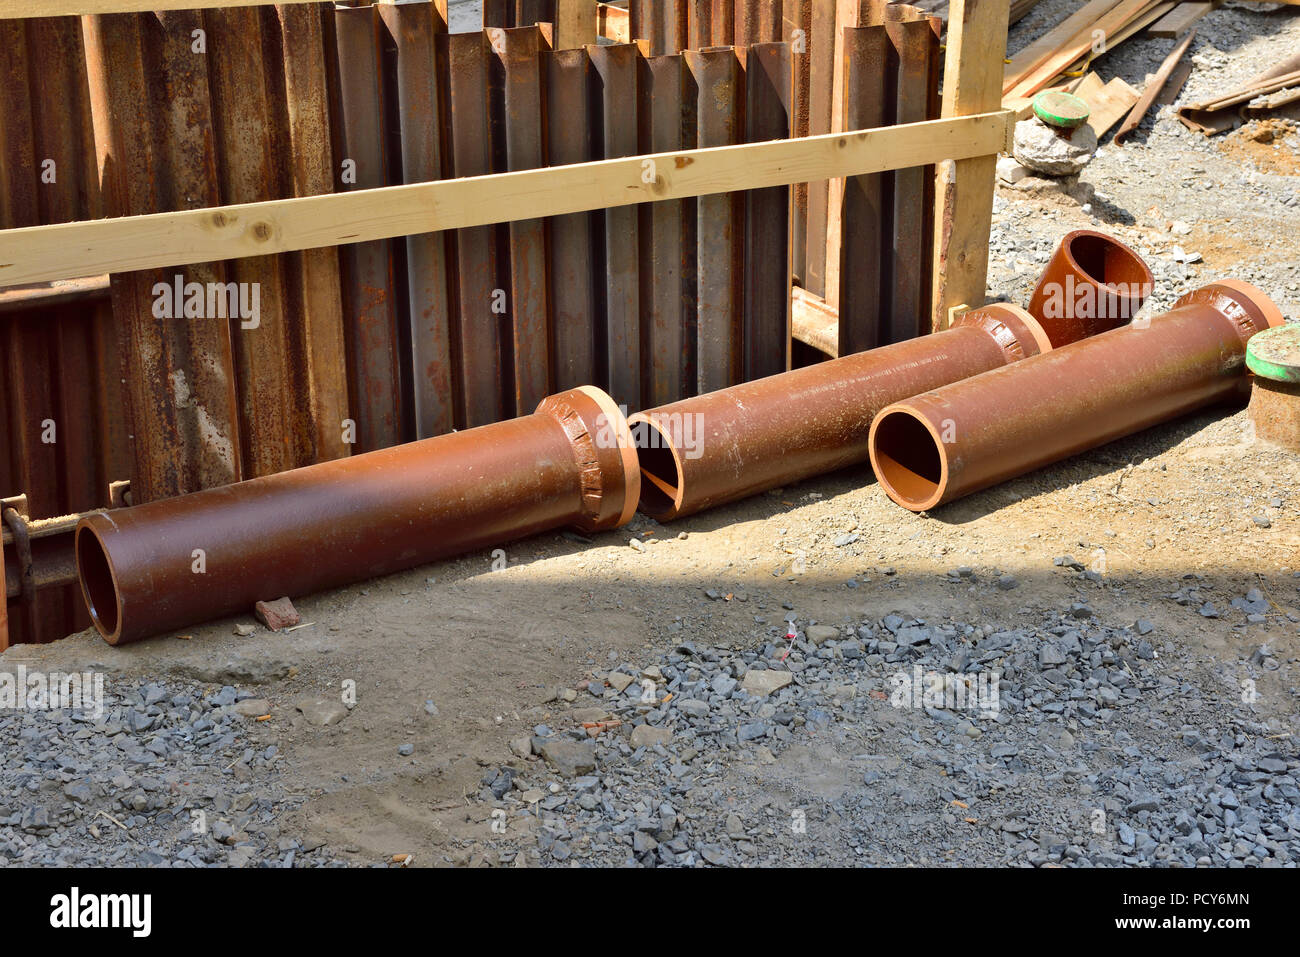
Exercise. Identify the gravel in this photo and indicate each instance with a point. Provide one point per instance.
(1103, 746)
(168, 775)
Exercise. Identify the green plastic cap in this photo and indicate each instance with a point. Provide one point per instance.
(1275, 353)
(1063, 110)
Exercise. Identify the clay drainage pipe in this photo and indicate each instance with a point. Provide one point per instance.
(727, 445)
(1092, 284)
(965, 437)
(169, 564)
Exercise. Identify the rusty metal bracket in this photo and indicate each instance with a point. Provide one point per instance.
(16, 523)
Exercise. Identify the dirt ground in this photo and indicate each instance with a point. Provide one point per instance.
(490, 648)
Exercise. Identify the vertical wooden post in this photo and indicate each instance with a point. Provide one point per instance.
(972, 83)
(575, 23)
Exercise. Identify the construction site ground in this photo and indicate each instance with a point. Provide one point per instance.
(457, 665)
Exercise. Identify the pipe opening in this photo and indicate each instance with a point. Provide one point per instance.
(97, 584)
(1108, 262)
(907, 460)
(661, 471)
(662, 480)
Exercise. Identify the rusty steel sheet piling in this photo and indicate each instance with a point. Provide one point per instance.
(667, 240)
(570, 463)
(863, 246)
(699, 25)
(1092, 283)
(713, 449)
(914, 64)
(413, 31)
(664, 23)
(247, 171)
(615, 74)
(153, 137)
(368, 276)
(312, 283)
(572, 254)
(796, 26)
(720, 246)
(723, 17)
(481, 306)
(519, 56)
(938, 446)
(62, 436)
(769, 90)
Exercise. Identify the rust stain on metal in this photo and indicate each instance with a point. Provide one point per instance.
(519, 59)
(481, 326)
(413, 32)
(572, 253)
(615, 71)
(720, 224)
(370, 303)
(769, 92)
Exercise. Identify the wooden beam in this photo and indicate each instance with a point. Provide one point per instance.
(70, 250)
(1181, 19)
(575, 23)
(613, 23)
(977, 43)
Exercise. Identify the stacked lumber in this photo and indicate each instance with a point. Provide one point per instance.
(1065, 51)
(1272, 90)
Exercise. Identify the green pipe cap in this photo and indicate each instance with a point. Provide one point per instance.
(1063, 110)
(1275, 353)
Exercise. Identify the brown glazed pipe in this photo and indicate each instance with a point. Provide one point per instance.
(965, 437)
(570, 463)
(1092, 284)
(788, 427)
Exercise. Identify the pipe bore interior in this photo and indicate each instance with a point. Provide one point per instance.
(97, 582)
(908, 460)
(661, 473)
(1107, 262)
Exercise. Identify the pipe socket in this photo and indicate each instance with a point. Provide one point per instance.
(1092, 284)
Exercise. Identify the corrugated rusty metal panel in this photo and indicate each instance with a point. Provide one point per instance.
(723, 16)
(699, 25)
(479, 287)
(769, 91)
(519, 58)
(614, 71)
(59, 377)
(369, 284)
(248, 172)
(719, 91)
(413, 31)
(865, 239)
(667, 240)
(796, 26)
(572, 253)
(914, 67)
(312, 284)
(821, 68)
(153, 139)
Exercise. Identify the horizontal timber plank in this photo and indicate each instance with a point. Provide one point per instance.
(71, 250)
